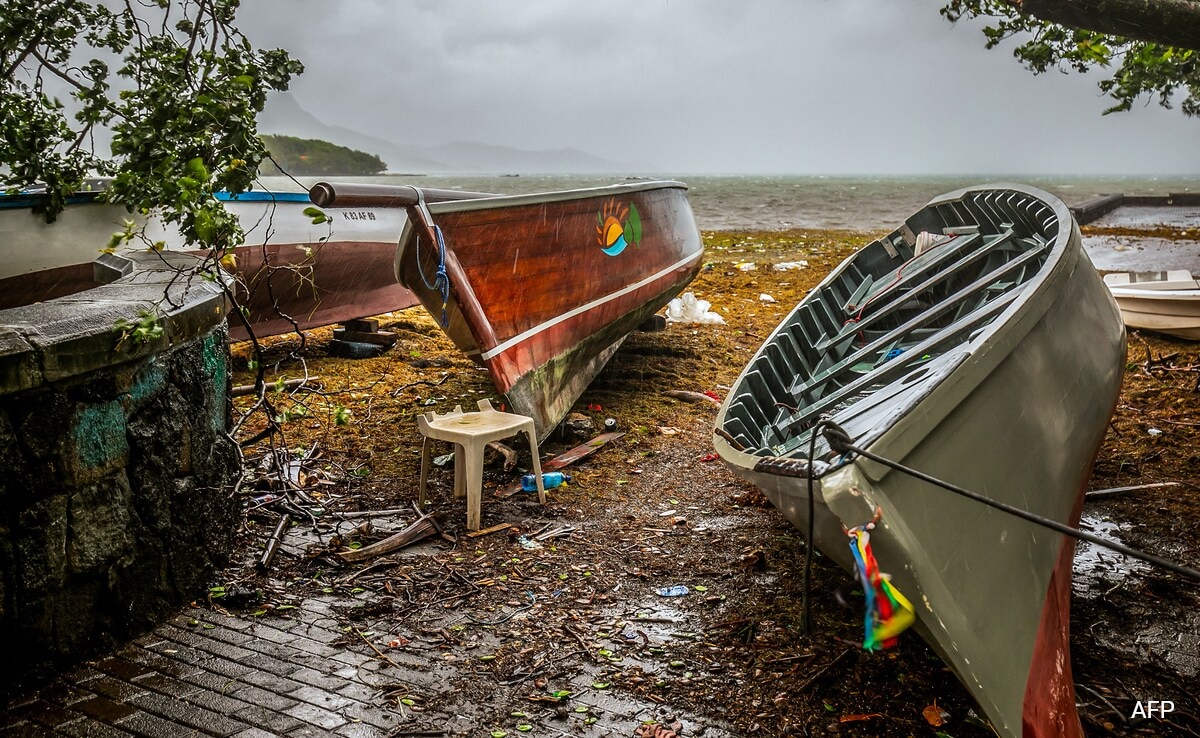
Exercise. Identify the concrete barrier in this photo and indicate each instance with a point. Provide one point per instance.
(115, 463)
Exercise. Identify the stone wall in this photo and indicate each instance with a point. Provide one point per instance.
(115, 478)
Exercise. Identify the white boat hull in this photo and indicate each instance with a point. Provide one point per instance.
(1163, 302)
(1016, 413)
(334, 271)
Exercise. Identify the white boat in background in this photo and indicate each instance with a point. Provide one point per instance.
(331, 272)
(1163, 302)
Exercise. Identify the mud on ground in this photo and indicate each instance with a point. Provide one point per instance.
(550, 636)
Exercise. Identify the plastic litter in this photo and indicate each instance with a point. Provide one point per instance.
(679, 590)
(784, 266)
(746, 266)
(528, 544)
(764, 297)
(550, 480)
(687, 309)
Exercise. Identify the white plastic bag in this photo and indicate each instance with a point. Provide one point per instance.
(687, 309)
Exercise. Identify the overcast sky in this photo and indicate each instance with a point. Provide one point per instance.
(711, 86)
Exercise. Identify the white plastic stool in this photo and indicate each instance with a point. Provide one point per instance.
(470, 433)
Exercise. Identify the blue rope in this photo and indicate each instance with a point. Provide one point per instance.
(441, 280)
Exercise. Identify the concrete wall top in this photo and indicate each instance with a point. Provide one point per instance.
(53, 340)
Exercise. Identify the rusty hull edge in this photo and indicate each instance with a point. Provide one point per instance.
(547, 393)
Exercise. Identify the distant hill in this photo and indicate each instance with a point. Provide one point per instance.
(310, 156)
(284, 116)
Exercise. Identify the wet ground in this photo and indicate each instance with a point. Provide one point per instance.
(1143, 238)
(653, 595)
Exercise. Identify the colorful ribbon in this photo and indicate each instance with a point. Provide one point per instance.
(889, 613)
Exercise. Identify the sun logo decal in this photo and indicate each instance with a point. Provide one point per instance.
(618, 227)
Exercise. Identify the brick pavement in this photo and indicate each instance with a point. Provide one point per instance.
(205, 673)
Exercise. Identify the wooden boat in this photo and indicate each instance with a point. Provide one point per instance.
(543, 288)
(943, 346)
(1163, 302)
(291, 272)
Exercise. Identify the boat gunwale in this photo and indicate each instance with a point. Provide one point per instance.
(901, 435)
(548, 197)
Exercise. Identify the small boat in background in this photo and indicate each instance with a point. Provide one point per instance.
(975, 344)
(1163, 302)
(291, 272)
(541, 288)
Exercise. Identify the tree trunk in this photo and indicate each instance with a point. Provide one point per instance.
(1168, 22)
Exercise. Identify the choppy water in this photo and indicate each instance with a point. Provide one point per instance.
(772, 203)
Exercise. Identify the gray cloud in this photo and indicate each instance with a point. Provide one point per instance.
(784, 86)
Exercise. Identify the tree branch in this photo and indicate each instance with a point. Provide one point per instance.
(1167, 22)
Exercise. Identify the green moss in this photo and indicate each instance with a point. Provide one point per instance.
(100, 435)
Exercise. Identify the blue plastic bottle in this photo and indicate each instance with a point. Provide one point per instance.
(550, 480)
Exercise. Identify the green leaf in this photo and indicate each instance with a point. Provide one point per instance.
(634, 225)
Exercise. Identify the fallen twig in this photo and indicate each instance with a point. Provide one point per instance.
(421, 528)
(371, 513)
(250, 389)
(821, 672)
(688, 396)
(375, 648)
(1121, 490)
(488, 531)
(273, 542)
(559, 532)
(396, 392)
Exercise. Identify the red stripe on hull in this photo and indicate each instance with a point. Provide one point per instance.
(342, 280)
(1049, 705)
(1048, 709)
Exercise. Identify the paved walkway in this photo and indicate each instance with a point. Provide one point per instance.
(208, 674)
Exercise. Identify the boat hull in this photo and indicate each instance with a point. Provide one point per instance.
(535, 292)
(291, 273)
(1172, 312)
(1017, 417)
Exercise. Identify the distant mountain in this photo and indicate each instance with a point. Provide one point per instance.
(284, 116)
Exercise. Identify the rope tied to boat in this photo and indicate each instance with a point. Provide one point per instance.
(441, 280)
(888, 613)
(841, 442)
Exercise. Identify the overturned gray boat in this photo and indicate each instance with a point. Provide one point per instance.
(977, 344)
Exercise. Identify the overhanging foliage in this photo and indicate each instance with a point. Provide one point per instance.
(1150, 46)
(176, 85)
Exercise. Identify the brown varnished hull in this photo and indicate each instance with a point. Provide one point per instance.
(292, 273)
(533, 294)
(341, 281)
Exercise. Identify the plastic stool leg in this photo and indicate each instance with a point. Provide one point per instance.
(531, 434)
(474, 474)
(460, 487)
(424, 470)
